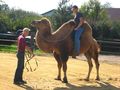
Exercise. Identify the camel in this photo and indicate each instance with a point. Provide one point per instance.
(60, 43)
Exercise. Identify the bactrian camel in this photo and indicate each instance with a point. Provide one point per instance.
(60, 43)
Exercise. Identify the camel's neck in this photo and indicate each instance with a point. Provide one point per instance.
(43, 40)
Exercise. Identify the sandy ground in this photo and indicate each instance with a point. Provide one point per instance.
(43, 77)
(111, 59)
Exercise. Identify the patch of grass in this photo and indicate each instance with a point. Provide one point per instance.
(13, 49)
(38, 52)
(8, 48)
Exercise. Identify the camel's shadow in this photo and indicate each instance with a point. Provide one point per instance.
(103, 86)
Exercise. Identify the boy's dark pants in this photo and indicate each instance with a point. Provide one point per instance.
(20, 67)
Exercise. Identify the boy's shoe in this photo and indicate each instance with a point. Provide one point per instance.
(20, 82)
(23, 82)
(17, 83)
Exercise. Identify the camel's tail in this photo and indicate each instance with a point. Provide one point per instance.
(97, 46)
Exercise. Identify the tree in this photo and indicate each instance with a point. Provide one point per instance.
(62, 14)
(12, 19)
(95, 14)
(3, 17)
(115, 30)
(94, 11)
(21, 19)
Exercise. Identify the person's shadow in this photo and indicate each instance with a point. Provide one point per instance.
(102, 86)
(26, 87)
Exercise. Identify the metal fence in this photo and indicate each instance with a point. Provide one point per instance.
(106, 45)
(110, 46)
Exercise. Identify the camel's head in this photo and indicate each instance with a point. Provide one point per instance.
(41, 24)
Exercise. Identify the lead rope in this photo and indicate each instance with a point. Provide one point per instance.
(29, 57)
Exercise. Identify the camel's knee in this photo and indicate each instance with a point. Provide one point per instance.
(64, 67)
(91, 65)
(64, 58)
(96, 60)
(97, 65)
(59, 65)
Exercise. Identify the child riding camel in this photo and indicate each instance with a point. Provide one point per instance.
(78, 18)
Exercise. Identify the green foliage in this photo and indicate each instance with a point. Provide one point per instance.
(94, 11)
(95, 14)
(102, 30)
(13, 49)
(21, 19)
(62, 14)
(115, 30)
(12, 20)
(9, 49)
(4, 17)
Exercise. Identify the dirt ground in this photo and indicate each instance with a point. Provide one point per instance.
(43, 77)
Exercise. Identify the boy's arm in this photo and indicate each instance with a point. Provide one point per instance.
(80, 23)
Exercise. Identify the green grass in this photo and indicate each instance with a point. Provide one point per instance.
(38, 52)
(8, 48)
(13, 49)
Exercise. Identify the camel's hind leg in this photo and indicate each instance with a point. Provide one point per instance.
(97, 65)
(59, 64)
(89, 64)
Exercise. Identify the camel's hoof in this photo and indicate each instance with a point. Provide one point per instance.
(58, 79)
(86, 79)
(98, 79)
(65, 80)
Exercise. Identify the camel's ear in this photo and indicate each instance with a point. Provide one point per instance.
(46, 22)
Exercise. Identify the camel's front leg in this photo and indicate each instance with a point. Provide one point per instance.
(64, 62)
(59, 64)
(65, 72)
(59, 71)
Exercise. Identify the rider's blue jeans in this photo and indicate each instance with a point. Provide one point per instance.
(78, 34)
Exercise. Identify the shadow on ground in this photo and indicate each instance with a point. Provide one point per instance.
(102, 86)
(26, 87)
